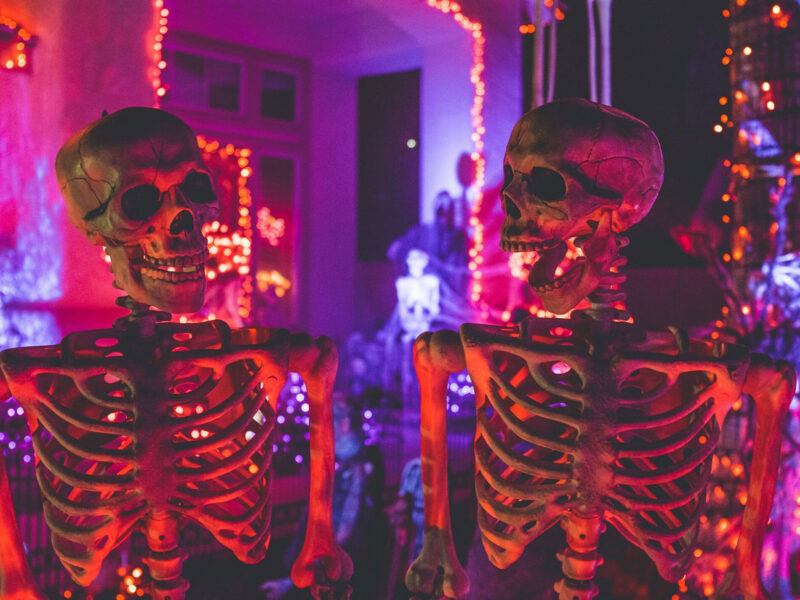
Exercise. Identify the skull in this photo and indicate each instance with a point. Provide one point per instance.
(134, 182)
(576, 172)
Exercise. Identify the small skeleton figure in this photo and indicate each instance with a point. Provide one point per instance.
(149, 423)
(589, 420)
(417, 295)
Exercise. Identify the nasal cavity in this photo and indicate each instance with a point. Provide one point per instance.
(183, 221)
(512, 210)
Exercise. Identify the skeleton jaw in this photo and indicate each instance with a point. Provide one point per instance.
(561, 275)
(173, 283)
(520, 245)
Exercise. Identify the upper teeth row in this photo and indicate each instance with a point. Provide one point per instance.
(176, 261)
(517, 246)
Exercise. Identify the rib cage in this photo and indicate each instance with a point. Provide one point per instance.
(123, 426)
(630, 436)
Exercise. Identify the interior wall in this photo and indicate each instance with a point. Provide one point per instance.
(445, 123)
(330, 241)
(501, 21)
(81, 66)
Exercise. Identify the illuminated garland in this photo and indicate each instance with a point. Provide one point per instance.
(754, 136)
(528, 28)
(269, 228)
(15, 57)
(478, 131)
(751, 101)
(232, 250)
(158, 46)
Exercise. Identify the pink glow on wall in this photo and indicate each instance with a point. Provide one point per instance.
(475, 29)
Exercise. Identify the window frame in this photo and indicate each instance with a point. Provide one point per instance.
(252, 61)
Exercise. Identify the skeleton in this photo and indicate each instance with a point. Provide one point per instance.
(149, 423)
(588, 420)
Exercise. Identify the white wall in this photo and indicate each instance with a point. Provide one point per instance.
(330, 227)
(90, 57)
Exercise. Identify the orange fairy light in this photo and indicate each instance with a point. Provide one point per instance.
(231, 249)
(161, 15)
(17, 43)
(478, 128)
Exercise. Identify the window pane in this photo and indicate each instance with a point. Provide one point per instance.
(273, 259)
(388, 168)
(187, 72)
(223, 84)
(277, 95)
(202, 82)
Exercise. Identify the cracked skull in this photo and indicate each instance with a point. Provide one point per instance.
(566, 164)
(134, 182)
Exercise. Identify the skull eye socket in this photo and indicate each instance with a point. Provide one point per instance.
(546, 184)
(197, 188)
(508, 175)
(141, 202)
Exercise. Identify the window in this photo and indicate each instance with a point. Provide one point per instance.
(228, 85)
(277, 95)
(388, 160)
(203, 82)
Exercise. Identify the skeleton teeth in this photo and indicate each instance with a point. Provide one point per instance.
(176, 263)
(173, 275)
(521, 246)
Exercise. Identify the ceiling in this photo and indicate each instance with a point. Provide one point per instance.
(346, 34)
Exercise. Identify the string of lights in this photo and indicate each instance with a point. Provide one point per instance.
(475, 29)
(232, 248)
(161, 14)
(14, 49)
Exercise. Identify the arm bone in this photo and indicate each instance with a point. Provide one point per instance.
(436, 355)
(771, 385)
(16, 579)
(317, 362)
